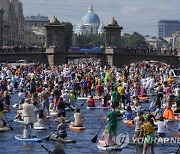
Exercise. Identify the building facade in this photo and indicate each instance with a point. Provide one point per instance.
(36, 21)
(35, 32)
(35, 36)
(167, 27)
(176, 41)
(89, 24)
(13, 22)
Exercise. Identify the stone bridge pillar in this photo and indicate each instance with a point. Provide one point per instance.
(112, 43)
(55, 45)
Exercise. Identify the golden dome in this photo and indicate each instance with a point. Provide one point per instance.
(54, 21)
(113, 22)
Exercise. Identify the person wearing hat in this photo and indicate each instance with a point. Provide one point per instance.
(58, 148)
(61, 129)
(29, 117)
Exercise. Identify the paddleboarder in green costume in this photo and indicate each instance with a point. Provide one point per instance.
(112, 124)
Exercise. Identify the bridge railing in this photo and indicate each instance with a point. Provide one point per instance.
(8, 49)
(150, 52)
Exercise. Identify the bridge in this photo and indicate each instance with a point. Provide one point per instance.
(112, 54)
(108, 56)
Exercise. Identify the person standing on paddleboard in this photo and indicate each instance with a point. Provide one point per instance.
(29, 117)
(112, 124)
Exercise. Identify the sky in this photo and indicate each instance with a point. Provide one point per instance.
(140, 16)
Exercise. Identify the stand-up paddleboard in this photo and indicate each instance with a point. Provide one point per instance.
(82, 98)
(40, 127)
(63, 140)
(4, 129)
(145, 98)
(88, 107)
(86, 98)
(77, 128)
(70, 108)
(53, 113)
(20, 138)
(18, 121)
(109, 148)
(101, 107)
(128, 122)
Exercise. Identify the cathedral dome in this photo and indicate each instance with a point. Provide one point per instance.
(80, 27)
(90, 17)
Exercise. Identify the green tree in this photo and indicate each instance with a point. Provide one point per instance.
(93, 39)
(68, 27)
(134, 40)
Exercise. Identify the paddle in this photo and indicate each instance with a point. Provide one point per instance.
(174, 133)
(48, 137)
(178, 150)
(50, 152)
(94, 140)
(47, 123)
(8, 122)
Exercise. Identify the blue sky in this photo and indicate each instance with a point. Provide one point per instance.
(133, 15)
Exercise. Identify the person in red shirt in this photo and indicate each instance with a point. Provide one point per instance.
(99, 90)
(89, 84)
(91, 102)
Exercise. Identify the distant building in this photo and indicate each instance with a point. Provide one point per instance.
(13, 22)
(90, 24)
(154, 43)
(35, 36)
(36, 21)
(176, 40)
(35, 33)
(167, 27)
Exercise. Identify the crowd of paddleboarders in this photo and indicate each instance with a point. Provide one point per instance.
(45, 93)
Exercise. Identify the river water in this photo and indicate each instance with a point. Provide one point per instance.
(93, 121)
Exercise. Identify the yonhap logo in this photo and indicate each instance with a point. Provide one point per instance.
(122, 139)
